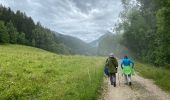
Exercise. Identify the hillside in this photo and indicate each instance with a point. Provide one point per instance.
(31, 73)
(109, 43)
(18, 28)
(76, 45)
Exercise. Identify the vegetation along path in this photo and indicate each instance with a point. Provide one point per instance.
(141, 89)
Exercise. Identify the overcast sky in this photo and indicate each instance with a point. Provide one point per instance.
(85, 19)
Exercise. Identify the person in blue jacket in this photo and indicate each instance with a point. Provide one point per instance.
(127, 66)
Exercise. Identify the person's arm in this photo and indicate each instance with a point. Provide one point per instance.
(122, 64)
(115, 63)
(106, 64)
(107, 60)
(132, 63)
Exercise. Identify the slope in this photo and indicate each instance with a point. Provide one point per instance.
(109, 43)
(76, 45)
(31, 73)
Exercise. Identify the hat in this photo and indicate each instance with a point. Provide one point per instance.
(111, 55)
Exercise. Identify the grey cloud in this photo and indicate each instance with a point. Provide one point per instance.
(85, 19)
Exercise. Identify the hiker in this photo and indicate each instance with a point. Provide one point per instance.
(128, 69)
(112, 64)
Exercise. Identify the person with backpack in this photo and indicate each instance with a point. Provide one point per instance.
(128, 69)
(112, 65)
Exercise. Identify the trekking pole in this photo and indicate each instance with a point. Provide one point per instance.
(118, 79)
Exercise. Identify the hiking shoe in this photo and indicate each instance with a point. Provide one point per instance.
(130, 83)
(114, 84)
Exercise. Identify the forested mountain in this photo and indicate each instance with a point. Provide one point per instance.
(75, 45)
(146, 29)
(18, 28)
(109, 43)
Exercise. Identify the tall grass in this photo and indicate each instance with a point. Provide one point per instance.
(31, 73)
(160, 75)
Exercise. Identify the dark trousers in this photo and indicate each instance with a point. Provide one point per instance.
(112, 78)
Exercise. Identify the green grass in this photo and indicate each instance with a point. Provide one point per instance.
(161, 76)
(31, 73)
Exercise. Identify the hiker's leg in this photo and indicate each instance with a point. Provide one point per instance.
(126, 79)
(111, 78)
(129, 79)
(114, 77)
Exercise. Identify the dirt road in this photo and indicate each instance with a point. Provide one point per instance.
(141, 89)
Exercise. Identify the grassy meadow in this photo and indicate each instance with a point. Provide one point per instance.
(31, 73)
(161, 76)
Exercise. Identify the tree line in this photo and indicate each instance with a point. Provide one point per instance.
(145, 25)
(18, 28)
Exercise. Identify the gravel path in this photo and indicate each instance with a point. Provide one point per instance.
(141, 89)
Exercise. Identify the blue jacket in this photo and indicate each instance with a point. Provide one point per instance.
(127, 62)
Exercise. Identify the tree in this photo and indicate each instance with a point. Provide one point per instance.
(12, 32)
(21, 38)
(163, 38)
(146, 30)
(4, 36)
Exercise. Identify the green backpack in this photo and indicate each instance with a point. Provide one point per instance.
(128, 70)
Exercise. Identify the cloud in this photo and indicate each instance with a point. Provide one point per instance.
(85, 19)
